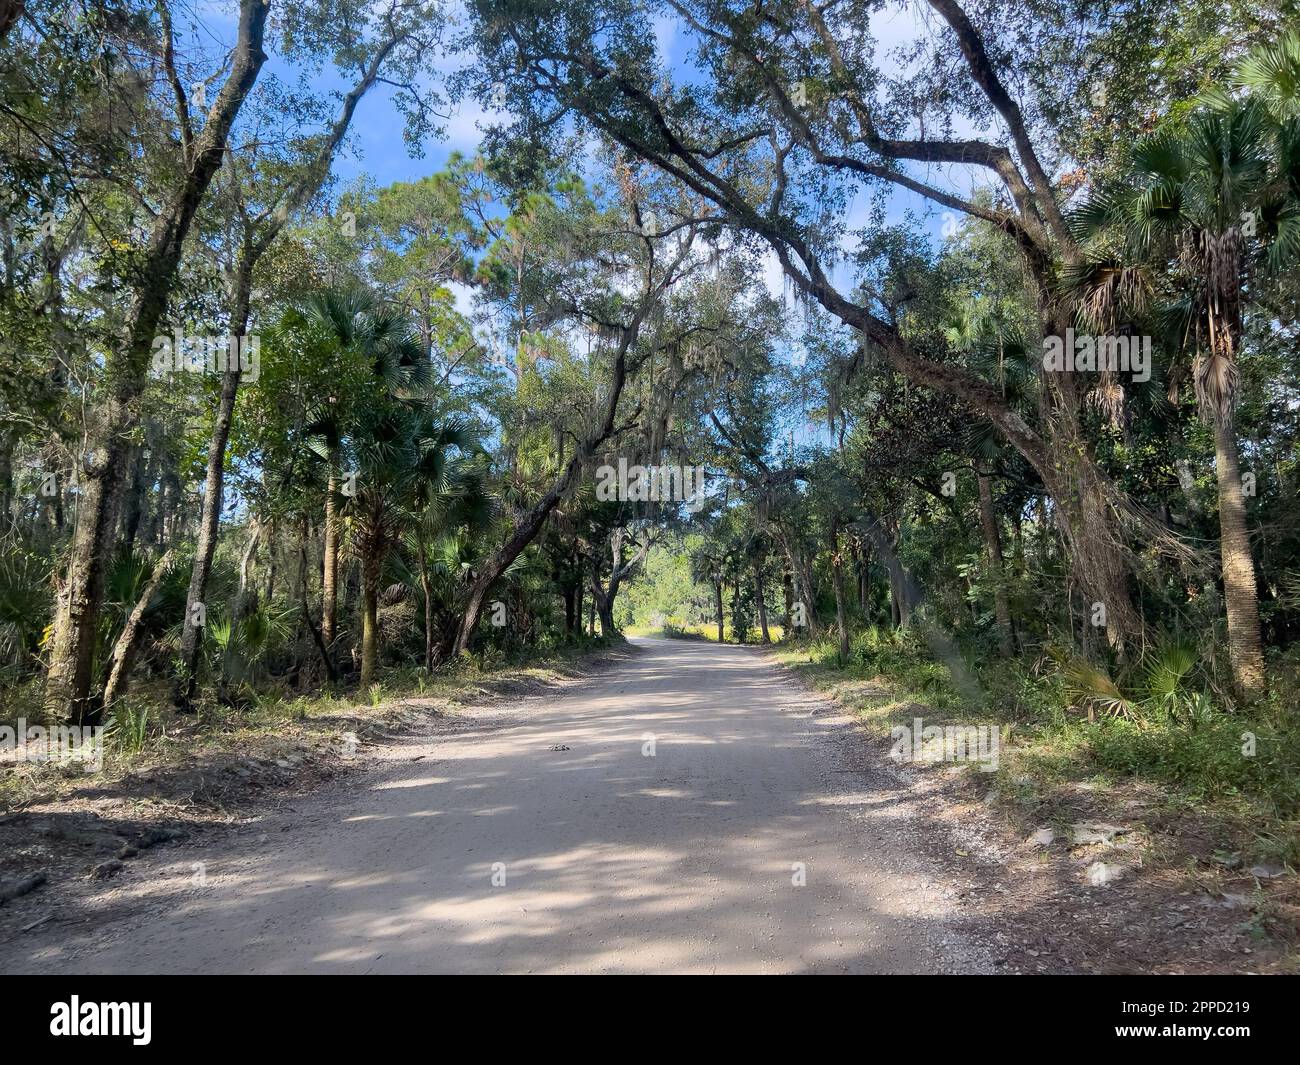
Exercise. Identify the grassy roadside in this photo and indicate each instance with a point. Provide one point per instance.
(1205, 824)
(1202, 840)
(277, 731)
(167, 779)
(677, 629)
(1247, 805)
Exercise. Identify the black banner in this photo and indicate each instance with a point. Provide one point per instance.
(140, 1015)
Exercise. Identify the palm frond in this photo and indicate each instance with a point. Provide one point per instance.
(1090, 687)
(1272, 71)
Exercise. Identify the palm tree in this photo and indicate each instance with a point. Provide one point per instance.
(411, 479)
(383, 338)
(1182, 213)
(708, 563)
(452, 509)
(404, 469)
(757, 551)
(997, 349)
(1271, 73)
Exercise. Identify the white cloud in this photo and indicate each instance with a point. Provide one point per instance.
(463, 128)
(665, 31)
(464, 295)
(773, 275)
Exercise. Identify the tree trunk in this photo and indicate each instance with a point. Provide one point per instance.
(1098, 554)
(900, 599)
(304, 587)
(108, 458)
(119, 666)
(762, 605)
(330, 573)
(619, 571)
(579, 594)
(570, 602)
(837, 579)
(801, 571)
(10, 11)
(369, 619)
(270, 562)
(7, 518)
(253, 246)
(604, 610)
(254, 530)
(1245, 646)
(993, 546)
(527, 528)
(330, 671)
(430, 651)
(717, 604)
(213, 490)
(135, 499)
(739, 623)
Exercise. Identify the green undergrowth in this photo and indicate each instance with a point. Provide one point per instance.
(144, 734)
(1237, 769)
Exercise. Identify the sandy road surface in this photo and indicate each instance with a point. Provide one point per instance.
(614, 859)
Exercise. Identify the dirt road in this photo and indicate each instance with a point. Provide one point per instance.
(691, 810)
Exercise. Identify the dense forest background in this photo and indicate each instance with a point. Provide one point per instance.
(761, 240)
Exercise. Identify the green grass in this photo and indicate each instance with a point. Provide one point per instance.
(147, 734)
(1193, 759)
(679, 629)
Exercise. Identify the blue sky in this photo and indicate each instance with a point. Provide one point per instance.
(376, 146)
